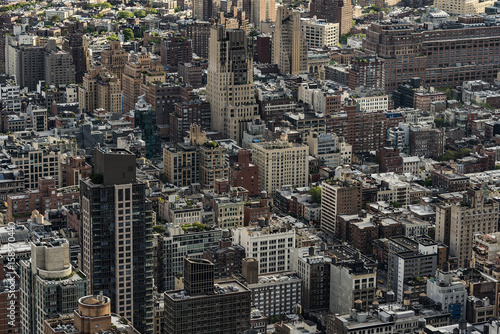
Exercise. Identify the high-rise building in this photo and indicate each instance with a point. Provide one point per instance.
(281, 163)
(117, 234)
(335, 11)
(457, 223)
(289, 44)
(114, 59)
(212, 162)
(204, 9)
(177, 244)
(100, 89)
(256, 241)
(30, 65)
(449, 292)
(73, 44)
(262, 11)
(230, 88)
(204, 307)
(175, 50)
(138, 72)
(199, 33)
(367, 71)
(145, 119)
(59, 67)
(314, 270)
(49, 285)
(245, 174)
(339, 198)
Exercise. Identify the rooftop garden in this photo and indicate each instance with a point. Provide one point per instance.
(195, 227)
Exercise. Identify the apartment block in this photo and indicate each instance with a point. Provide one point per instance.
(457, 223)
(351, 281)
(319, 33)
(204, 306)
(281, 163)
(100, 90)
(339, 198)
(270, 245)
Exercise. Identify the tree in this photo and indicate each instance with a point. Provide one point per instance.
(177, 9)
(439, 122)
(55, 18)
(128, 34)
(72, 19)
(105, 5)
(315, 193)
(396, 205)
(125, 15)
(153, 11)
(140, 13)
(112, 38)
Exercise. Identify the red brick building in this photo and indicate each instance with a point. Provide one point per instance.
(76, 168)
(47, 196)
(191, 73)
(245, 174)
(254, 210)
(175, 50)
(389, 160)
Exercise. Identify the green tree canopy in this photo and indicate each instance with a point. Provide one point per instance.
(125, 15)
(140, 13)
(128, 34)
(315, 193)
(55, 18)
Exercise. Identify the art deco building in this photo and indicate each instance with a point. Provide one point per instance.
(289, 45)
(100, 90)
(230, 88)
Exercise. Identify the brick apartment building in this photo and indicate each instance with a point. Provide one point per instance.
(389, 160)
(373, 126)
(47, 196)
(76, 169)
(245, 174)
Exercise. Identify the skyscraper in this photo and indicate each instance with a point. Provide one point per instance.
(263, 10)
(289, 45)
(117, 246)
(230, 88)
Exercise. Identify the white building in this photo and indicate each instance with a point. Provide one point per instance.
(269, 245)
(331, 149)
(372, 103)
(62, 12)
(277, 294)
(450, 291)
(319, 33)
